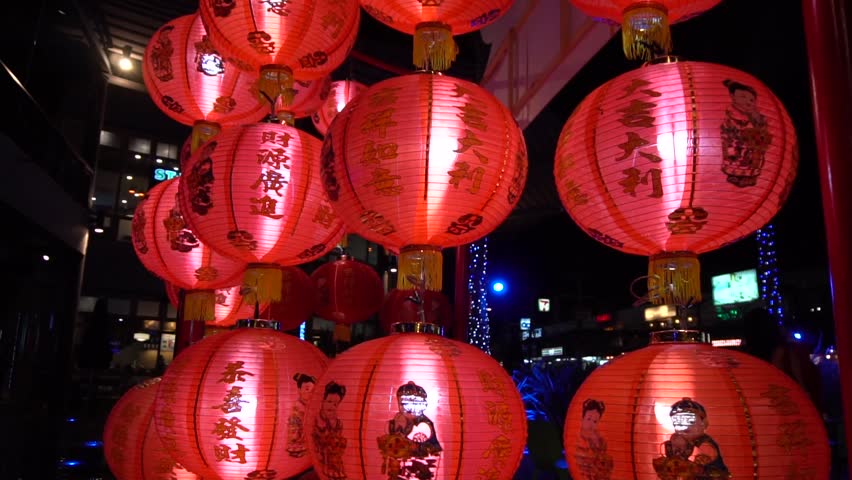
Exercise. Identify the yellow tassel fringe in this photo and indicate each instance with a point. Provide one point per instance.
(276, 81)
(674, 278)
(434, 47)
(262, 283)
(645, 31)
(201, 132)
(420, 263)
(199, 306)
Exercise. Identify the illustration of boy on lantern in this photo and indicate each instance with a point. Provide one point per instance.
(410, 449)
(296, 423)
(745, 136)
(591, 457)
(329, 442)
(690, 454)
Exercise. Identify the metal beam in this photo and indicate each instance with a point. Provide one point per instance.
(123, 82)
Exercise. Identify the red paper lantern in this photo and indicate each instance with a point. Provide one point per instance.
(341, 93)
(132, 448)
(298, 298)
(400, 307)
(645, 24)
(434, 23)
(308, 98)
(171, 250)
(232, 405)
(254, 193)
(230, 305)
(421, 162)
(675, 159)
(688, 410)
(348, 291)
(415, 405)
(188, 80)
(306, 40)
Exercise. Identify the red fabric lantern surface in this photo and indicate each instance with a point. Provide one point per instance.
(675, 159)
(254, 193)
(188, 80)
(233, 404)
(230, 305)
(415, 402)
(170, 249)
(424, 161)
(348, 291)
(132, 448)
(654, 412)
(340, 94)
(645, 24)
(308, 98)
(298, 299)
(434, 23)
(399, 307)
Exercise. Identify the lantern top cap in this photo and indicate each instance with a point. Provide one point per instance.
(679, 336)
(258, 323)
(417, 327)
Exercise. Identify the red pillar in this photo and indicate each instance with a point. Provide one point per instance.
(461, 307)
(828, 42)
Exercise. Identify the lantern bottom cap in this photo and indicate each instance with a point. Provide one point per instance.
(417, 327)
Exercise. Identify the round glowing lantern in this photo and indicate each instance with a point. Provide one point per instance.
(415, 405)
(191, 83)
(170, 249)
(645, 24)
(254, 193)
(403, 306)
(348, 291)
(422, 162)
(433, 24)
(298, 299)
(675, 159)
(283, 40)
(233, 404)
(309, 97)
(230, 305)
(680, 408)
(132, 448)
(340, 94)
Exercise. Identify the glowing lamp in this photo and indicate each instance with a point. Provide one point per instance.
(415, 405)
(170, 249)
(681, 408)
(189, 81)
(340, 94)
(675, 159)
(132, 448)
(254, 193)
(233, 404)
(422, 162)
(645, 31)
(404, 306)
(348, 291)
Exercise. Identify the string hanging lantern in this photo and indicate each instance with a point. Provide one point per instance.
(340, 94)
(675, 159)
(189, 81)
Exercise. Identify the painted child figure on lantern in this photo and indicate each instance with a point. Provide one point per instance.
(690, 454)
(296, 423)
(328, 433)
(745, 136)
(594, 462)
(410, 449)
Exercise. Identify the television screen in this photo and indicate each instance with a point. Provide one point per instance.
(737, 287)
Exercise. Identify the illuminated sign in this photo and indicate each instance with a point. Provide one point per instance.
(167, 342)
(525, 324)
(536, 333)
(161, 174)
(543, 304)
(551, 352)
(737, 287)
(525, 335)
(659, 313)
(728, 342)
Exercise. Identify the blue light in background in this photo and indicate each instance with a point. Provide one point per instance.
(71, 419)
(797, 335)
(71, 463)
(498, 287)
(302, 328)
(93, 444)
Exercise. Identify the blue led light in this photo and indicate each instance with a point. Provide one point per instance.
(797, 335)
(498, 287)
(93, 444)
(478, 329)
(71, 463)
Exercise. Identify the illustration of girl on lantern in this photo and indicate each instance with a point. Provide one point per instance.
(591, 457)
(296, 423)
(690, 454)
(329, 442)
(410, 449)
(745, 136)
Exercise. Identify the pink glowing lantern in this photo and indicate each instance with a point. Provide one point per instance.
(340, 94)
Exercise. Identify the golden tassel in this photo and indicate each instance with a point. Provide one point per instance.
(201, 132)
(199, 306)
(286, 117)
(645, 31)
(276, 81)
(434, 47)
(674, 279)
(420, 263)
(262, 283)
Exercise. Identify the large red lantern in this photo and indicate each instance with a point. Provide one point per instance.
(433, 24)
(230, 305)
(191, 83)
(680, 409)
(283, 40)
(340, 94)
(233, 404)
(645, 24)
(421, 162)
(132, 448)
(298, 299)
(404, 306)
(170, 249)
(675, 159)
(415, 406)
(348, 291)
(254, 193)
